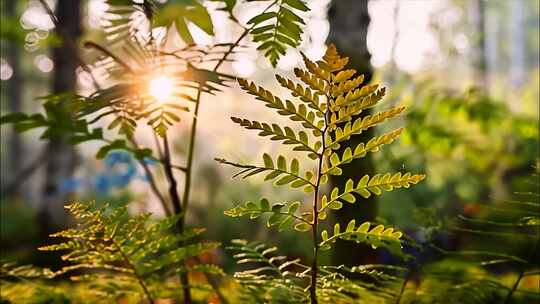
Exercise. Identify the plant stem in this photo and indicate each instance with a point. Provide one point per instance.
(313, 286)
(403, 285)
(151, 180)
(191, 149)
(135, 273)
(521, 274)
(177, 207)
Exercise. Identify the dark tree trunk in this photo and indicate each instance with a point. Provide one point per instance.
(14, 86)
(349, 21)
(62, 158)
(477, 17)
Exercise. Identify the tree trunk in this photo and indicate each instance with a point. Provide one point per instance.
(62, 158)
(14, 86)
(349, 21)
(477, 16)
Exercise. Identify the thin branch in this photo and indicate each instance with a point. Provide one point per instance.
(178, 209)
(90, 44)
(192, 135)
(152, 181)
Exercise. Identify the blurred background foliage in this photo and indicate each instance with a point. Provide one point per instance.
(468, 70)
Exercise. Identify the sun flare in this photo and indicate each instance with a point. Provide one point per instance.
(161, 88)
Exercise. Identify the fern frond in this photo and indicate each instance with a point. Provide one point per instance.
(272, 279)
(378, 236)
(287, 176)
(287, 135)
(283, 215)
(336, 285)
(329, 105)
(320, 86)
(361, 124)
(305, 94)
(366, 186)
(133, 249)
(301, 114)
(277, 30)
(12, 270)
(361, 149)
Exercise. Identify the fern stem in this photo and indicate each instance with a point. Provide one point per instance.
(313, 286)
(231, 49)
(521, 274)
(408, 277)
(135, 273)
(237, 42)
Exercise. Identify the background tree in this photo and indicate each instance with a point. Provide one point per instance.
(61, 157)
(477, 12)
(14, 89)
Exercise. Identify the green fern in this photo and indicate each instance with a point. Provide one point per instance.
(326, 115)
(275, 280)
(122, 255)
(278, 28)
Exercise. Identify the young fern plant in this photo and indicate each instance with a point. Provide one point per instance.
(327, 108)
(123, 256)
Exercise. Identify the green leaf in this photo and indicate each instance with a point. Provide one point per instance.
(302, 227)
(115, 145)
(262, 17)
(183, 31)
(13, 118)
(297, 4)
(180, 14)
(199, 16)
(268, 163)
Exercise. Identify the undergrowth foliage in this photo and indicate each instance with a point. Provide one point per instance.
(471, 275)
(326, 113)
(121, 255)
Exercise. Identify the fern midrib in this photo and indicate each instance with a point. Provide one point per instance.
(283, 136)
(313, 287)
(261, 211)
(346, 233)
(274, 38)
(273, 169)
(360, 188)
(135, 273)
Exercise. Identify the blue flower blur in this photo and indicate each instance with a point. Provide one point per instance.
(120, 170)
